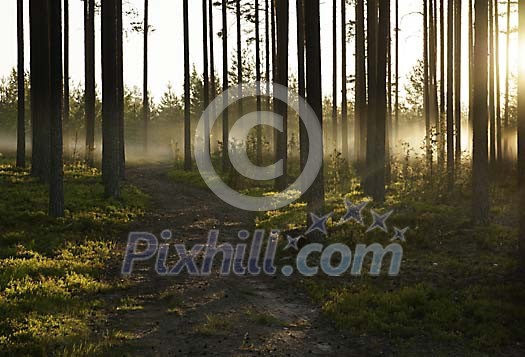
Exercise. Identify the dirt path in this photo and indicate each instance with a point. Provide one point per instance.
(230, 316)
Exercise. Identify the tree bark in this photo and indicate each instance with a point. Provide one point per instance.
(120, 92)
(89, 66)
(56, 174)
(360, 82)
(205, 75)
(110, 111)
(507, 83)
(315, 194)
(492, 98)
(457, 77)
(303, 135)
(499, 145)
(21, 124)
(145, 99)
(480, 171)
(426, 90)
(259, 142)
(335, 131)
(187, 98)
(344, 105)
(225, 113)
(281, 108)
(521, 133)
(67, 124)
(450, 95)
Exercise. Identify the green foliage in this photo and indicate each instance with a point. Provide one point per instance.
(52, 270)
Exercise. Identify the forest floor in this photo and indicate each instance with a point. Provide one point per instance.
(237, 316)
(62, 291)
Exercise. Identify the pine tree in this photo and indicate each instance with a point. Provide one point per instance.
(21, 126)
(89, 66)
(480, 170)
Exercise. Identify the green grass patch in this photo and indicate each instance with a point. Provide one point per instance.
(52, 271)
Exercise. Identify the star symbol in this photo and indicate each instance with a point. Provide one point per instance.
(292, 242)
(319, 223)
(399, 234)
(354, 212)
(379, 221)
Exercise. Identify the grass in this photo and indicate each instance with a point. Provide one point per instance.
(213, 325)
(52, 271)
(458, 284)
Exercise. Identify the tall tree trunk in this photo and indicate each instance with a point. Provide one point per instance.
(499, 145)
(492, 99)
(303, 135)
(450, 95)
(471, 66)
(360, 82)
(315, 194)
(507, 83)
(110, 111)
(521, 132)
(480, 171)
(21, 124)
(442, 86)
(457, 76)
(381, 110)
(344, 105)
(213, 80)
(187, 99)
(56, 174)
(67, 134)
(120, 92)
(145, 99)
(371, 159)
(268, 54)
(40, 88)
(239, 57)
(205, 75)
(89, 67)
(225, 113)
(281, 108)
(426, 90)
(258, 79)
(335, 131)
(274, 63)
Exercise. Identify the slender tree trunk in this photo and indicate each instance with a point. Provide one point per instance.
(471, 67)
(499, 145)
(344, 105)
(335, 129)
(492, 98)
(120, 92)
(66, 126)
(371, 159)
(480, 171)
(521, 133)
(21, 124)
(239, 57)
(426, 91)
(110, 115)
(303, 135)
(213, 80)
(281, 108)
(267, 54)
(258, 78)
(40, 88)
(396, 133)
(442, 85)
(360, 82)
(89, 66)
(205, 75)
(145, 99)
(388, 118)
(457, 77)
(315, 195)
(187, 99)
(56, 175)
(507, 82)
(225, 113)
(450, 95)
(274, 64)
